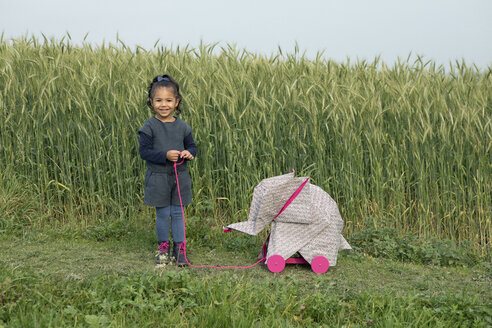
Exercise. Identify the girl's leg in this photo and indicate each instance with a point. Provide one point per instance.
(177, 226)
(162, 223)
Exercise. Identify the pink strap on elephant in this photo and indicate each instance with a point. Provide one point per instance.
(291, 199)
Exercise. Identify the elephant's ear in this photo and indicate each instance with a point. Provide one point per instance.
(298, 207)
(266, 203)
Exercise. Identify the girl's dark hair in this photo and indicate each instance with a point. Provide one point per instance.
(164, 81)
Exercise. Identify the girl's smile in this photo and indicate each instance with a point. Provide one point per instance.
(164, 104)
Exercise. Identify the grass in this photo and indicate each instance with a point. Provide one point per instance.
(51, 279)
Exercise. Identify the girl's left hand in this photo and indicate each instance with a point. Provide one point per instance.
(186, 155)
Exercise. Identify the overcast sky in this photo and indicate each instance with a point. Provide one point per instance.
(440, 30)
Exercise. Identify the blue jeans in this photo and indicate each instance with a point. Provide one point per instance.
(162, 223)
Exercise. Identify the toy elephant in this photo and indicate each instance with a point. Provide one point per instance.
(305, 220)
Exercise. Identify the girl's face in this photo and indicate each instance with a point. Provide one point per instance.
(164, 104)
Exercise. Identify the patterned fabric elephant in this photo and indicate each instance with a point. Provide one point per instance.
(305, 220)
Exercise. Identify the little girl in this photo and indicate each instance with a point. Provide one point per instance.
(164, 140)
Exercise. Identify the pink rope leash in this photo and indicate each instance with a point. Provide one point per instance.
(184, 230)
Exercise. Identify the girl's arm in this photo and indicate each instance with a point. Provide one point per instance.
(189, 145)
(146, 151)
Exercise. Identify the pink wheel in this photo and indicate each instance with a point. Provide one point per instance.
(320, 264)
(276, 263)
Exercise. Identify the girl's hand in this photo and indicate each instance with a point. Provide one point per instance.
(186, 155)
(172, 155)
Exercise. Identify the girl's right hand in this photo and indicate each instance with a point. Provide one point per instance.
(172, 155)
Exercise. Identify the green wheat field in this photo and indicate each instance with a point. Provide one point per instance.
(404, 149)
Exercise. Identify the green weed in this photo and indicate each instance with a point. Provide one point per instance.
(386, 242)
(409, 142)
